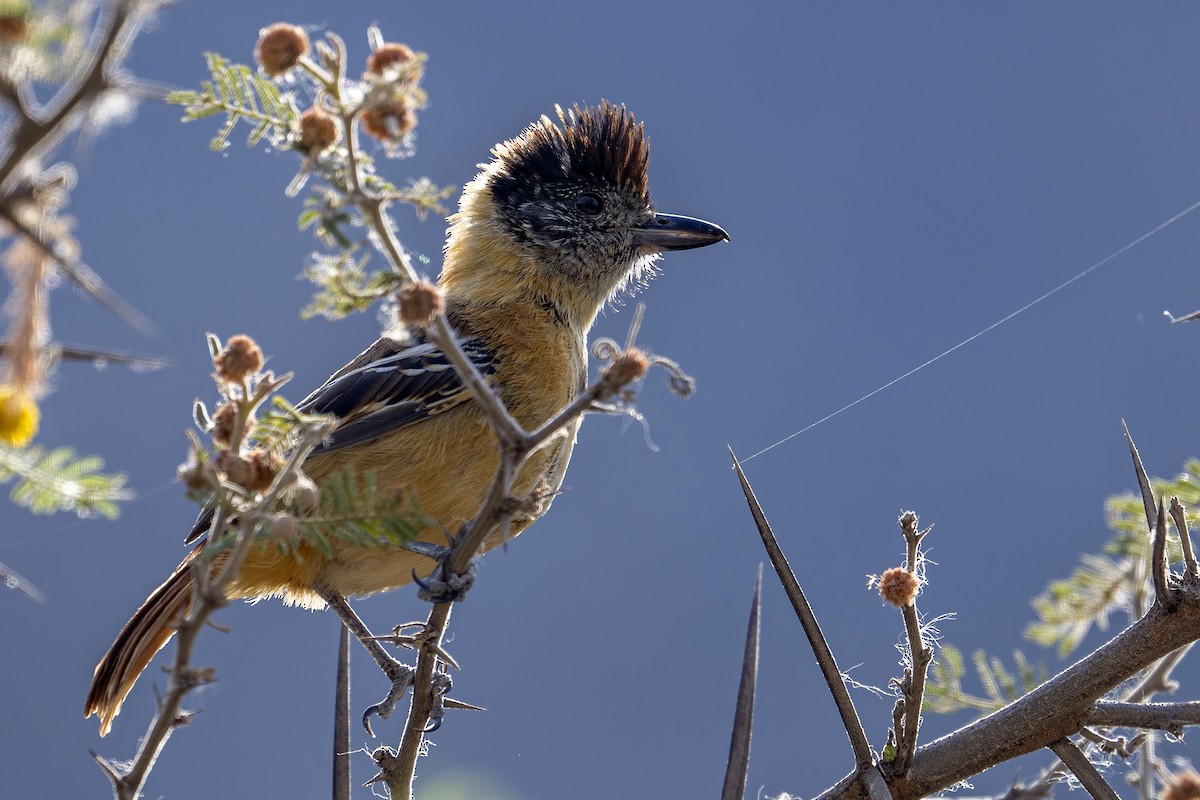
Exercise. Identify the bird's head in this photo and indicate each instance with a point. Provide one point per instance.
(562, 214)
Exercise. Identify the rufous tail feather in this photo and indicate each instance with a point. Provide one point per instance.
(151, 627)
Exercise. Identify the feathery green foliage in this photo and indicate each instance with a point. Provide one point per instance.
(58, 480)
(1117, 580)
(242, 96)
(276, 428)
(346, 286)
(1068, 608)
(944, 691)
(354, 507)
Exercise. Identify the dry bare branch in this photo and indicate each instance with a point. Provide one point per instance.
(1170, 717)
(208, 595)
(1057, 709)
(80, 274)
(101, 356)
(1158, 678)
(907, 724)
(37, 131)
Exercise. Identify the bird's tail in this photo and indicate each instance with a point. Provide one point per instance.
(151, 627)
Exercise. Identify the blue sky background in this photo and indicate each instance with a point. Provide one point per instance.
(894, 177)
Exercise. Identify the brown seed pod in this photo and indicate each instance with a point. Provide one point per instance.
(390, 54)
(627, 367)
(899, 587)
(240, 358)
(279, 48)
(389, 120)
(318, 131)
(419, 303)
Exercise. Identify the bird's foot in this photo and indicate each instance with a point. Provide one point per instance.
(402, 678)
(443, 587)
(442, 684)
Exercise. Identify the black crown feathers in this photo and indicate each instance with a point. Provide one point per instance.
(602, 144)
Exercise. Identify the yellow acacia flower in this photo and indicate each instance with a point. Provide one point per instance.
(18, 416)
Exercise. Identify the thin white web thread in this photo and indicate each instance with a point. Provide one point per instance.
(989, 328)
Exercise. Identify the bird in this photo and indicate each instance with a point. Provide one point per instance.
(552, 228)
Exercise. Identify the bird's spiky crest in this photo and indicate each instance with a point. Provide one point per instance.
(603, 144)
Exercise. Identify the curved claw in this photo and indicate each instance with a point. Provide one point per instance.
(422, 582)
(434, 724)
(366, 718)
(435, 591)
(439, 587)
(384, 709)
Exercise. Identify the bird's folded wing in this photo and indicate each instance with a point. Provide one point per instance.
(389, 386)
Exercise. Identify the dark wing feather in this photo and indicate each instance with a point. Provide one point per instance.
(389, 386)
(394, 388)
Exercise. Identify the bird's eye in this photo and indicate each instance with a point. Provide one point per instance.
(589, 204)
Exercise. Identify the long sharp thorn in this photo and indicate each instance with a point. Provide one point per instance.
(1158, 563)
(1178, 513)
(1143, 481)
(341, 718)
(812, 629)
(743, 715)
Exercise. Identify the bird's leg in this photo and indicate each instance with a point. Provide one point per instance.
(399, 673)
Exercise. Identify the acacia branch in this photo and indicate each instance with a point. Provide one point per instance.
(100, 356)
(37, 131)
(1158, 679)
(1169, 717)
(1051, 712)
(1061, 706)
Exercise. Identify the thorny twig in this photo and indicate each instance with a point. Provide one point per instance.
(1062, 706)
(1121, 747)
(209, 594)
(907, 723)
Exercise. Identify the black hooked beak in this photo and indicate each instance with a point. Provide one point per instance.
(671, 232)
